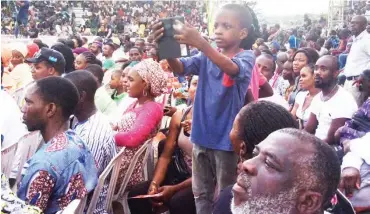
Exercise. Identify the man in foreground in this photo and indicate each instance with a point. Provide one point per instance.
(291, 172)
(63, 169)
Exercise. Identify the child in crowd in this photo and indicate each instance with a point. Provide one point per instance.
(223, 82)
(119, 89)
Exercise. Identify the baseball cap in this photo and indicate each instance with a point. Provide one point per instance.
(53, 57)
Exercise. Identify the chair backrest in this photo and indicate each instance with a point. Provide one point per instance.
(112, 170)
(7, 155)
(74, 207)
(126, 179)
(98, 189)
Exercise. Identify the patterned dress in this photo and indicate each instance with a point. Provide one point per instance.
(136, 126)
(359, 125)
(62, 170)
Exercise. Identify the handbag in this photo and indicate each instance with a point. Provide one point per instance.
(178, 170)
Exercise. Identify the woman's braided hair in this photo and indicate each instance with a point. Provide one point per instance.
(259, 119)
(91, 58)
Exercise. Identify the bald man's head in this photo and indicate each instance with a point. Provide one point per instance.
(358, 24)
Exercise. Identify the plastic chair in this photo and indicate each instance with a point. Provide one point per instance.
(74, 207)
(7, 155)
(121, 195)
(113, 170)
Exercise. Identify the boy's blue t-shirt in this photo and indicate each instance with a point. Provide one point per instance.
(219, 98)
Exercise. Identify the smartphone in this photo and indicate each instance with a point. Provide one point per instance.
(168, 46)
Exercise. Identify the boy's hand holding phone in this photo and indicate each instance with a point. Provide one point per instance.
(186, 34)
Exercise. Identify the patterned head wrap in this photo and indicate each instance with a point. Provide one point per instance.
(152, 73)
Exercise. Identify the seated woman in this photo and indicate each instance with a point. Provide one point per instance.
(251, 126)
(141, 119)
(302, 105)
(175, 188)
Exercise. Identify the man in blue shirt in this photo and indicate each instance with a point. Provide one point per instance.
(63, 169)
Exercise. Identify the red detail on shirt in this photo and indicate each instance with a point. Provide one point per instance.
(58, 143)
(227, 81)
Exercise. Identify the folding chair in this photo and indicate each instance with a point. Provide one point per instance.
(113, 169)
(121, 195)
(7, 155)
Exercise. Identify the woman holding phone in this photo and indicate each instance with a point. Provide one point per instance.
(172, 191)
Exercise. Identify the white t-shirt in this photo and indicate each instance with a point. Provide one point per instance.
(299, 99)
(341, 105)
(12, 128)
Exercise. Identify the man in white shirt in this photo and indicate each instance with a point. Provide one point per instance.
(355, 177)
(92, 126)
(358, 58)
(333, 106)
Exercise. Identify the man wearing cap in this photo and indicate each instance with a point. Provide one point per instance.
(47, 62)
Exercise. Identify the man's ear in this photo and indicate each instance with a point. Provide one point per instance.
(309, 202)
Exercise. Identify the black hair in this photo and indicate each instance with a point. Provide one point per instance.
(270, 57)
(310, 66)
(84, 81)
(91, 58)
(311, 54)
(70, 43)
(97, 71)
(138, 48)
(68, 55)
(125, 65)
(259, 119)
(84, 39)
(321, 42)
(79, 40)
(40, 44)
(248, 19)
(366, 74)
(323, 168)
(50, 89)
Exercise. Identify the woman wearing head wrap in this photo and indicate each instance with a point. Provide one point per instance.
(18, 73)
(140, 121)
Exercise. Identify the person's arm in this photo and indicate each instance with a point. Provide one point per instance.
(311, 124)
(143, 126)
(294, 110)
(248, 99)
(169, 147)
(37, 185)
(334, 126)
(225, 64)
(265, 90)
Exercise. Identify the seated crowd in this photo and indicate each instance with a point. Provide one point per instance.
(245, 127)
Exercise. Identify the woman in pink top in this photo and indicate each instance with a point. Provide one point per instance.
(141, 120)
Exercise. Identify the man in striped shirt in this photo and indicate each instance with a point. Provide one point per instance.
(92, 126)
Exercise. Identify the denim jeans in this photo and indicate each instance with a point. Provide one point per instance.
(211, 168)
(342, 59)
